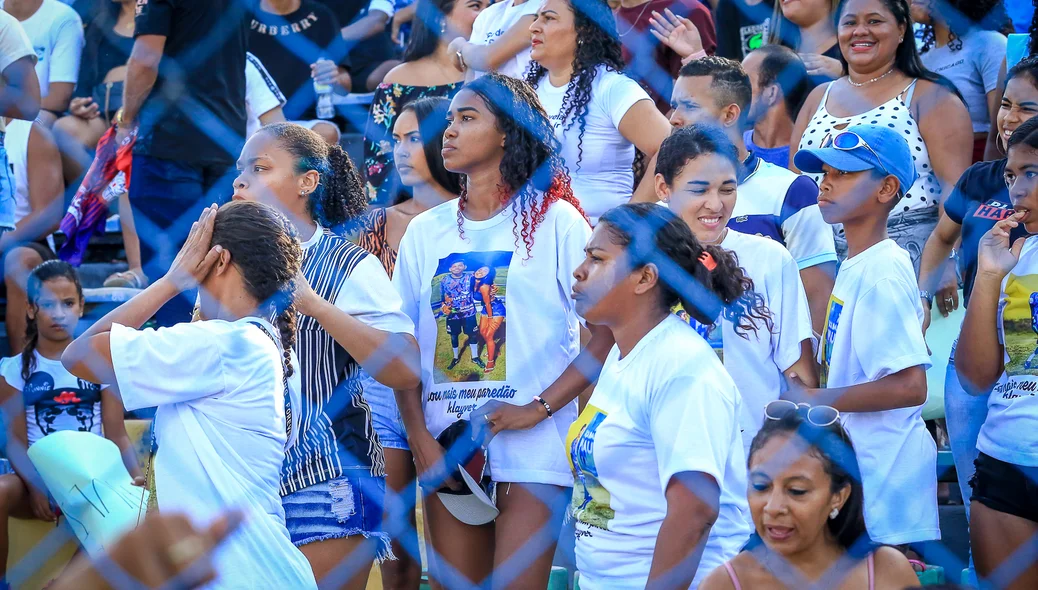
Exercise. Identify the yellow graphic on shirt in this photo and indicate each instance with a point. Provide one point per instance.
(712, 333)
(590, 498)
(1020, 324)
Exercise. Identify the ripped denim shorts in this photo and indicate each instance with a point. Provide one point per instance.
(346, 506)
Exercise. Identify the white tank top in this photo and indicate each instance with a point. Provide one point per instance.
(17, 144)
(914, 218)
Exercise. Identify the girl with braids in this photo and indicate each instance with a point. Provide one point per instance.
(959, 43)
(350, 318)
(226, 386)
(516, 213)
(46, 398)
(660, 493)
(600, 115)
(697, 176)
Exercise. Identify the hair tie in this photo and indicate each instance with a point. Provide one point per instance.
(707, 260)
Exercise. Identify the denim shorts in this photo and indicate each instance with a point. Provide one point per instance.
(385, 415)
(346, 506)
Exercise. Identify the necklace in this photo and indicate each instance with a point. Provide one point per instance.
(616, 15)
(876, 79)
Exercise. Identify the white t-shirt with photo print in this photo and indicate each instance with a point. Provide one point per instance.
(1010, 432)
(600, 164)
(494, 21)
(874, 329)
(668, 407)
(531, 291)
(54, 399)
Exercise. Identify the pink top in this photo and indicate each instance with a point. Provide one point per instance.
(870, 564)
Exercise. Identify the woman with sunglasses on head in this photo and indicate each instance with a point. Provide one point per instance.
(886, 84)
(417, 145)
(600, 115)
(806, 500)
(517, 215)
(979, 201)
(657, 454)
(998, 352)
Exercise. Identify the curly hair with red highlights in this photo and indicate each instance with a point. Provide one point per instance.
(533, 175)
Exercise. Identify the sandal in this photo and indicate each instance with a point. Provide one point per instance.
(133, 279)
(489, 368)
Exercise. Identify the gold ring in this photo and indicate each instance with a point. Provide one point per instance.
(185, 551)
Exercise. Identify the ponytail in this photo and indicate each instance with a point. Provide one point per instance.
(285, 322)
(32, 339)
(743, 306)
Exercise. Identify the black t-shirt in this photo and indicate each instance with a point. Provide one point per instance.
(103, 51)
(741, 28)
(979, 201)
(196, 110)
(367, 54)
(287, 45)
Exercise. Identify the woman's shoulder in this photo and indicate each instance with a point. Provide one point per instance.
(892, 568)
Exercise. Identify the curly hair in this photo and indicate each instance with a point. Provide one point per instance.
(598, 44)
(654, 234)
(339, 200)
(46, 271)
(531, 162)
(960, 16)
(266, 251)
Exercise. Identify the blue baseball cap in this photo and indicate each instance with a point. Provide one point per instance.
(860, 148)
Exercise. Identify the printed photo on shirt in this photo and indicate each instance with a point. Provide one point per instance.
(832, 320)
(53, 409)
(590, 499)
(1020, 325)
(712, 333)
(468, 302)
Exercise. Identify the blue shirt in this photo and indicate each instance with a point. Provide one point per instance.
(778, 156)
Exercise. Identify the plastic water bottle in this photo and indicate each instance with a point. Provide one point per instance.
(325, 108)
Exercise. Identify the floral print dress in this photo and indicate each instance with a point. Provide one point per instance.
(383, 183)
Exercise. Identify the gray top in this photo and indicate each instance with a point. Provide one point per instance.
(973, 69)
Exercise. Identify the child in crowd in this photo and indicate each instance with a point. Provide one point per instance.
(40, 397)
(873, 357)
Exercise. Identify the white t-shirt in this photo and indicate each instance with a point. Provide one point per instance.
(668, 407)
(543, 331)
(494, 21)
(56, 34)
(17, 144)
(782, 205)
(221, 430)
(261, 93)
(603, 178)
(1010, 432)
(55, 399)
(873, 329)
(14, 45)
(757, 361)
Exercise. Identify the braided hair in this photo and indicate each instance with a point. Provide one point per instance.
(598, 44)
(531, 162)
(960, 16)
(266, 251)
(49, 270)
(338, 202)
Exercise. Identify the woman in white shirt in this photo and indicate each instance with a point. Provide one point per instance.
(697, 175)
(660, 491)
(225, 386)
(997, 349)
(516, 216)
(600, 115)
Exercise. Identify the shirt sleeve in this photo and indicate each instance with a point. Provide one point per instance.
(619, 93)
(808, 237)
(261, 91)
(790, 313)
(68, 49)
(154, 17)
(11, 371)
(889, 309)
(990, 53)
(957, 202)
(14, 43)
(368, 295)
(692, 423)
(405, 275)
(166, 366)
(384, 6)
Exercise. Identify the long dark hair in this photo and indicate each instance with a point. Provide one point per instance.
(654, 234)
(832, 446)
(691, 142)
(49, 270)
(961, 16)
(339, 200)
(906, 59)
(531, 161)
(428, 25)
(431, 113)
(598, 44)
(266, 251)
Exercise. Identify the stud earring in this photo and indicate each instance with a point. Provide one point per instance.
(900, 41)
(834, 513)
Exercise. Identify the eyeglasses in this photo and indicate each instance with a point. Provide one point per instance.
(822, 416)
(847, 141)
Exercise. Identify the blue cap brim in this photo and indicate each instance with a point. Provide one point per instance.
(811, 161)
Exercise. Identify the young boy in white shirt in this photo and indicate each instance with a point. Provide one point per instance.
(872, 354)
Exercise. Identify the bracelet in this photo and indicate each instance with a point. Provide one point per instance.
(541, 401)
(926, 296)
(693, 57)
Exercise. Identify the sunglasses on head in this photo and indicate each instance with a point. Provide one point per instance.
(821, 416)
(847, 141)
